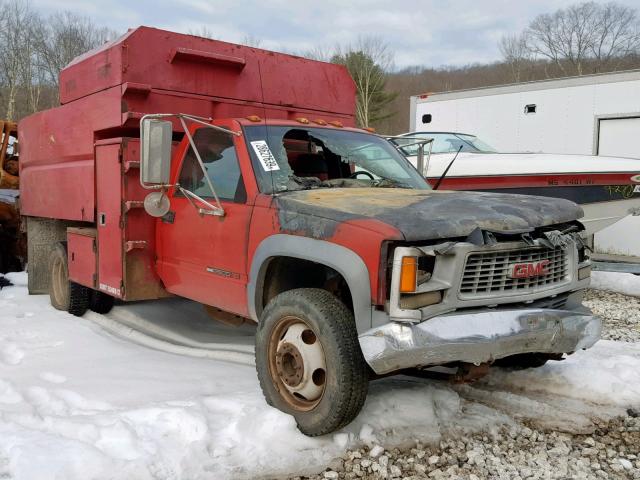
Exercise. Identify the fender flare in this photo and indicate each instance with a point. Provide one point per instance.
(341, 259)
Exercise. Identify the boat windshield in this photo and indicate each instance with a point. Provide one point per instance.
(289, 158)
(445, 143)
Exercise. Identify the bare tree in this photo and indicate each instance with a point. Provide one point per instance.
(203, 31)
(66, 35)
(586, 31)
(16, 16)
(320, 53)
(368, 61)
(251, 41)
(516, 54)
(616, 36)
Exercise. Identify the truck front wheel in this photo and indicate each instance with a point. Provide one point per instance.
(309, 361)
(63, 293)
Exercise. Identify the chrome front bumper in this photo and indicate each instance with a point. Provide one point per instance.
(477, 337)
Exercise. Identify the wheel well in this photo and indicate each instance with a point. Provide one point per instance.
(287, 273)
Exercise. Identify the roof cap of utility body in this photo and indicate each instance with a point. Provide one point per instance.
(148, 58)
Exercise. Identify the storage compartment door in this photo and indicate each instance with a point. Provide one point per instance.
(81, 255)
(109, 211)
(619, 137)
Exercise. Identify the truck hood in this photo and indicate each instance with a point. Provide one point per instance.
(420, 214)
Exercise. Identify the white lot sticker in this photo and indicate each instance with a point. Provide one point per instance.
(267, 159)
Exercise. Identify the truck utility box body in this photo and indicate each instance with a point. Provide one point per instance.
(104, 93)
(79, 161)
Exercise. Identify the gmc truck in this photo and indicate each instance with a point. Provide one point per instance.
(235, 177)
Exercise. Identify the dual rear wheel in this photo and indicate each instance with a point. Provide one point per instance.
(70, 296)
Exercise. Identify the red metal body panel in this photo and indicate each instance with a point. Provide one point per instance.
(56, 157)
(194, 65)
(205, 257)
(126, 234)
(81, 254)
(110, 232)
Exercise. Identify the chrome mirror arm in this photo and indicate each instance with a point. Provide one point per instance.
(190, 196)
(422, 165)
(202, 167)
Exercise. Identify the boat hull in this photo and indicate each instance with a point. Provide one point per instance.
(603, 205)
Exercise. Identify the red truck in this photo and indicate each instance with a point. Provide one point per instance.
(235, 177)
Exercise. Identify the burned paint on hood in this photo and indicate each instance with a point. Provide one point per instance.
(420, 214)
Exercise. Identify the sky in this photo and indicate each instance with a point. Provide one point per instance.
(427, 33)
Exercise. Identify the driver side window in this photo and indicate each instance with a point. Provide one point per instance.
(218, 154)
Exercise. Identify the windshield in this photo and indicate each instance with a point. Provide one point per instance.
(297, 158)
(445, 143)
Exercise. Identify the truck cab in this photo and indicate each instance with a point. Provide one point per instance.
(338, 249)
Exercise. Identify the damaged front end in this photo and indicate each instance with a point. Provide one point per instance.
(486, 297)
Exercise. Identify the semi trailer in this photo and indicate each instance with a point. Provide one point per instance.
(236, 177)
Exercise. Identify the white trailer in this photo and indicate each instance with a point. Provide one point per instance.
(588, 115)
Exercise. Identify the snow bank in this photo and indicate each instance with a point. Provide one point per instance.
(77, 401)
(625, 283)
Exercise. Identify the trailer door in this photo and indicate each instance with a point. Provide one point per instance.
(618, 137)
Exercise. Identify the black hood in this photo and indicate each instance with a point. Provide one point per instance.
(421, 214)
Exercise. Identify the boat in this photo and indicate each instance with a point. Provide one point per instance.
(607, 188)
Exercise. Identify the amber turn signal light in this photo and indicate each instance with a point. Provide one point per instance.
(408, 274)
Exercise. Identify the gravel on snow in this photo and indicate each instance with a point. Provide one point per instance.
(521, 451)
(620, 314)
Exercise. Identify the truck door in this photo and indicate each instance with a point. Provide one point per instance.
(202, 256)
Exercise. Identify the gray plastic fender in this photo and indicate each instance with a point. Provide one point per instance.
(344, 261)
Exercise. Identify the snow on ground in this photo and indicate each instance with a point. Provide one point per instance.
(130, 395)
(625, 283)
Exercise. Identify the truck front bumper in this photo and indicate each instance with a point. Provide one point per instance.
(477, 337)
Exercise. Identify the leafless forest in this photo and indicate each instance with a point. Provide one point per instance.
(33, 50)
(581, 39)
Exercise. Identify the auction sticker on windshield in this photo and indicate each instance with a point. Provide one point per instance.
(268, 161)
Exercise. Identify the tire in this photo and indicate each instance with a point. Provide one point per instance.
(63, 293)
(100, 302)
(322, 320)
(524, 361)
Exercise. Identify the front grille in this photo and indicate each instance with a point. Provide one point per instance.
(488, 274)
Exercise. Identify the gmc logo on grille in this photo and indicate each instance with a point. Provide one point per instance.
(529, 270)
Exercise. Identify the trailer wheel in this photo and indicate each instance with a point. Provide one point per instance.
(309, 361)
(65, 294)
(100, 302)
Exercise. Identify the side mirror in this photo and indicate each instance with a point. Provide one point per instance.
(155, 151)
